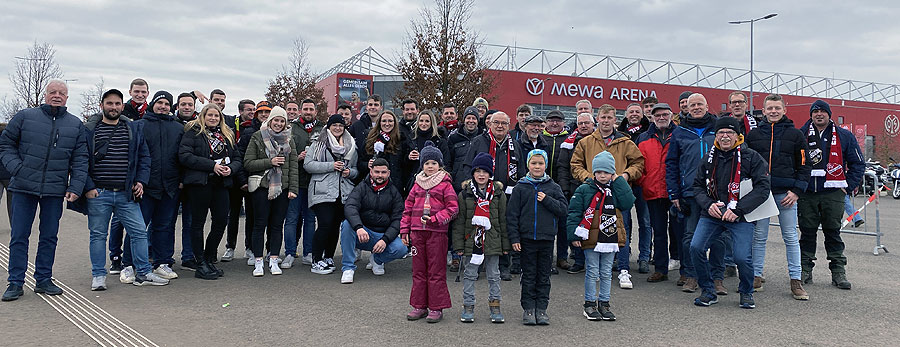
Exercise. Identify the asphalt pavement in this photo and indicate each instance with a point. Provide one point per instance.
(300, 307)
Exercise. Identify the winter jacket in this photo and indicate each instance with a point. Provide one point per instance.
(634, 134)
(458, 144)
(256, 162)
(566, 181)
(496, 240)
(138, 154)
(130, 112)
(553, 150)
(654, 147)
(302, 140)
(379, 211)
(622, 198)
(163, 136)
(395, 161)
(4, 174)
(784, 148)
(411, 167)
(687, 148)
(326, 184)
(193, 154)
(628, 157)
(528, 146)
(528, 218)
(247, 128)
(45, 150)
(360, 128)
(444, 208)
(482, 143)
(854, 166)
(753, 167)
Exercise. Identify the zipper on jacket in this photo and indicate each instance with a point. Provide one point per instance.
(771, 147)
(53, 135)
(535, 212)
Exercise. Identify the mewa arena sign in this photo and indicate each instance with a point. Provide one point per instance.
(537, 86)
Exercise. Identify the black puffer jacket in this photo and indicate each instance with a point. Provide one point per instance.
(784, 147)
(379, 211)
(753, 167)
(163, 136)
(564, 168)
(193, 154)
(246, 131)
(482, 143)
(528, 218)
(458, 144)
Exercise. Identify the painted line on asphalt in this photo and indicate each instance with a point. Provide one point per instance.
(99, 325)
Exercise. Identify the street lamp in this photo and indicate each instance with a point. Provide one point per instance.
(751, 21)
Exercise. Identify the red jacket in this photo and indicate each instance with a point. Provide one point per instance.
(654, 149)
(444, 207)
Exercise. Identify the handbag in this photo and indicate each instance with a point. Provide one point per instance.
(253, 182)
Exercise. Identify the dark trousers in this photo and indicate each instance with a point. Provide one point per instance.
(237, 198)
(25, 207)
(206, 199)
(676, 232)
(187, 249)
(160, 215)
(329, 216)
(659, 222)
(268, 221)
(116, 235)
(563, 245)
(825, 209)
(536, 261)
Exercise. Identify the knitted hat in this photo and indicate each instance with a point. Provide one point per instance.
(471, 110)
(684, 95)
(480, 101)
(277, 111)
(162, 94)
(335, 118)
(430, 152)
(728, 123)
(483, 161)
(535, 152)
(820, 105)
(263, 106)
(604, 162)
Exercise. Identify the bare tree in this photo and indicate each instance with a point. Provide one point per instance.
(297, 81)
(9, 107)
(442, 64)
(90, 99)
(32, 73)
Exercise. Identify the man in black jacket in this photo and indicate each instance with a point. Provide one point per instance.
(717, 190)
(458, 143)
(785, 148)
(135, 108)
(373, 211)
(360, 129)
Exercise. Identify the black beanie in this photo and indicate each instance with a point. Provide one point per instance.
(820, 105)
(728, 123)
(483, 161)
(162, 94)
(684, 95)
(336, 118)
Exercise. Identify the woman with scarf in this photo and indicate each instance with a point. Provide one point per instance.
(268, 158)
(599, 234)
(210, 161)
(426, 130)
(384, 141)
(331, 162)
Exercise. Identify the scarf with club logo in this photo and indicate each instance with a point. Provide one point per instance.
(734, 187)
(569, 142)
(481, 218)
(833, 169)
(511, 160)
(607, 237)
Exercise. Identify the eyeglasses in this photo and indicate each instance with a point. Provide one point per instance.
(738, 102)
(585, 123)
(725, 132)
(497, 122)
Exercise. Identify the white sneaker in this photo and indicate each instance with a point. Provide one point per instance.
(371, 263)
(248, 254)
(306, 260)
(166, 272)
(252, 260)
(288, 261)
(258, 270)
(377, 269)
(330, 263)
(321, 268)
(150, 279)
(99, 283)
(127, 275)
(229, 254)
(674, 264)
(449, 258)
(347, 277)
(625, 280)
(273, 266)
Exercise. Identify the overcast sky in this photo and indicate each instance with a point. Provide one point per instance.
(238, 45)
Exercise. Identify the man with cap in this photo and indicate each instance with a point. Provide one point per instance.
(633, 125)
(458, 143)
(654, 146)
(629, 165)
(717, 190)
(248, 127)
(785, 149)
(159, 202)
(584, 126)
(45, 149)
(119, 169)
(688, 147)
(531, 133)
(837, 169)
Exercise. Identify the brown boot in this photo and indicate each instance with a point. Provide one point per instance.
(720, 288)
(757, 284)
(797, 290)
(657, 277)
(562, 264)
(681, 281)
(690, 285)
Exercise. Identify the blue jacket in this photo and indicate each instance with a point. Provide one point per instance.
(46, 153)
(138, 154)
(526, 217)
(687, 149)
(854, 166)
(162, 135)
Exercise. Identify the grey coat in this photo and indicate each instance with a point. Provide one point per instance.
(326, 184)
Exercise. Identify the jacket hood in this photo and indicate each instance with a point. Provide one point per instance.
(738, 143)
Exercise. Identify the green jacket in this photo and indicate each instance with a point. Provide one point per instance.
(496, 239)
(302, 139)
(256, 162)
(623, 199)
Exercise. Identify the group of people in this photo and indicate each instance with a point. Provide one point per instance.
(470, 191)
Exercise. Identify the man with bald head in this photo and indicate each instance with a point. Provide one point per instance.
(45, 149)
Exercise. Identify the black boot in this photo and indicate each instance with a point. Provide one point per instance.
(204, 271)
(216, 270)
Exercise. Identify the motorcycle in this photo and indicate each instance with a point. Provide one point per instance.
(895, 177)
(874, 172)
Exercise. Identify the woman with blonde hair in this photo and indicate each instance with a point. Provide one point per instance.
(426, 130)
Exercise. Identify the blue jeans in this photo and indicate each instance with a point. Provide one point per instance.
(709, 230)
(100, 210)
(848, 207)
(187, 251)
(24, 210)
(349, 242)
(787, 219)
(598, 266)
(296, 208)
(160, 215)
(716, 248)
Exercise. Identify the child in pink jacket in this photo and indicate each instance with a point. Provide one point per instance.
(430, 207)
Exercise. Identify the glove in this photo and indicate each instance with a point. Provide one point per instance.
(582, 233)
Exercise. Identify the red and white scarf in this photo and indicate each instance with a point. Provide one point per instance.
(734, 186)
(139, 108)
(451, 125)
(511, 160)
(608, 237)
(308, 126)
(481, 219)
(569, 142)
(833, 170)
(749, 123)
(378, 187)
(382, 141)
